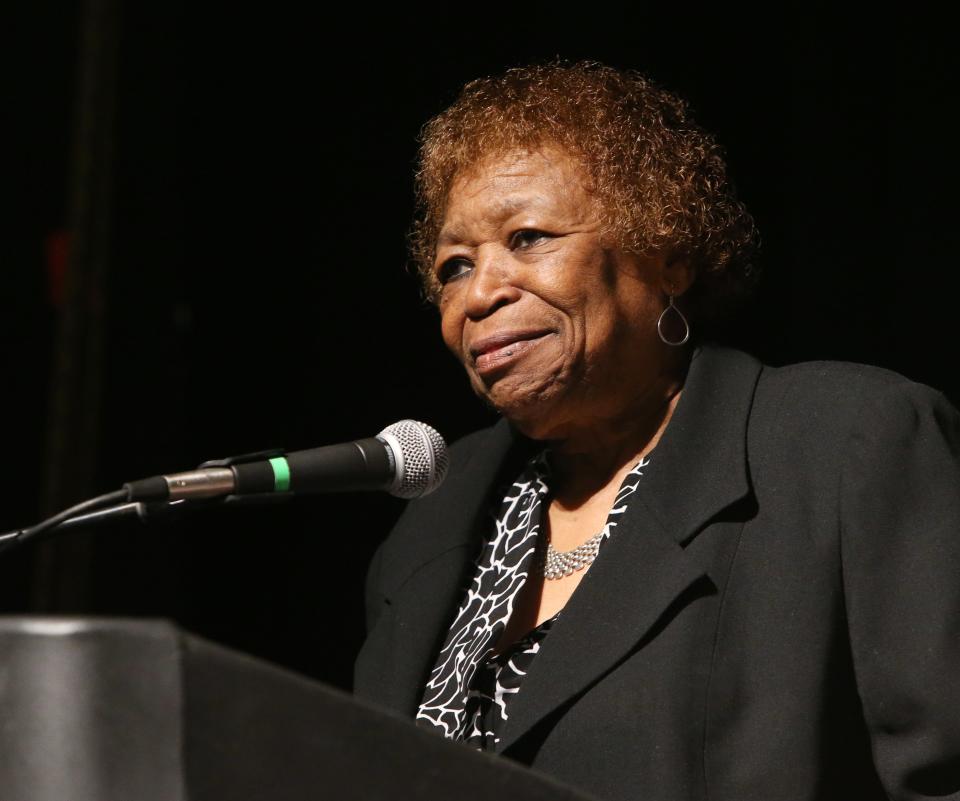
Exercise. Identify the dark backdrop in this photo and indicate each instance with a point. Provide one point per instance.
(256, 293)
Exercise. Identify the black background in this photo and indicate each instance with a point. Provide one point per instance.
(258, 294)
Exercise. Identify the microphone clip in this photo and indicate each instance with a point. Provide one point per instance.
(256, 456)
(250, 498)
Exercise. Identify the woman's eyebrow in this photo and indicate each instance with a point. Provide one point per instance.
(450, 235)
(502, 210)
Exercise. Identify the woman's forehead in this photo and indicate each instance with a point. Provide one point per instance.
(499, 188)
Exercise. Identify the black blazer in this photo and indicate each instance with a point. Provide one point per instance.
(777, 616)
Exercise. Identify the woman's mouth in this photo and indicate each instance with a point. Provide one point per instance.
(496, 352)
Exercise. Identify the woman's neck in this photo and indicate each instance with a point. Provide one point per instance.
(602, 451)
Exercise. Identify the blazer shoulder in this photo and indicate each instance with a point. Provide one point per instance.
(823, 402)
(825, 372)
(463, 453)
(462, 450)
(842, 385)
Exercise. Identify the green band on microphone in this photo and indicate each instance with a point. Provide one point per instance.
(281, 474)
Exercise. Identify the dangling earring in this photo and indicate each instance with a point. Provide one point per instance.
(686, 325)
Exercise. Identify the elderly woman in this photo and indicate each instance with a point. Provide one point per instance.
(669, 571)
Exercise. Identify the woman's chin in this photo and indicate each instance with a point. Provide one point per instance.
(532, 412)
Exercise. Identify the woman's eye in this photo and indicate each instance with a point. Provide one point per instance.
(452, 269)
(526, 237)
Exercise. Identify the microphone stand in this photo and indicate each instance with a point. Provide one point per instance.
(144, 512)
(88, 514)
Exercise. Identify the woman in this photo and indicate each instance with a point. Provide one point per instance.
(670, 571)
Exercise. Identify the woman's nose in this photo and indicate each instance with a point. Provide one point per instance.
(491, 284)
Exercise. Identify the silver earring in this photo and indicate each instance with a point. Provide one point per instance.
(686, 326)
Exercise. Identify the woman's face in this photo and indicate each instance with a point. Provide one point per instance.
(554, 327)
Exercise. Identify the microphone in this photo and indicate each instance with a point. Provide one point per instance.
(407, 459)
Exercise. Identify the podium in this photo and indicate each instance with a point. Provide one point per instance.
(102, 709)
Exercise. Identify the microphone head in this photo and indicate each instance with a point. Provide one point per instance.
(419, 456)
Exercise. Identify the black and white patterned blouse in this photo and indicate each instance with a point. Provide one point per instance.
(468, 690)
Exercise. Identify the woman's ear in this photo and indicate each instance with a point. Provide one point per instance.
(677, 276)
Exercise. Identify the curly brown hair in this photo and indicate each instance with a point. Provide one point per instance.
(661, 180)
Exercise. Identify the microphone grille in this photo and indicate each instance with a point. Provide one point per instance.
(421, 458)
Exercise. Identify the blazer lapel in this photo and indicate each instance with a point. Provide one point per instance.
(698, 469)
(436, 548)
